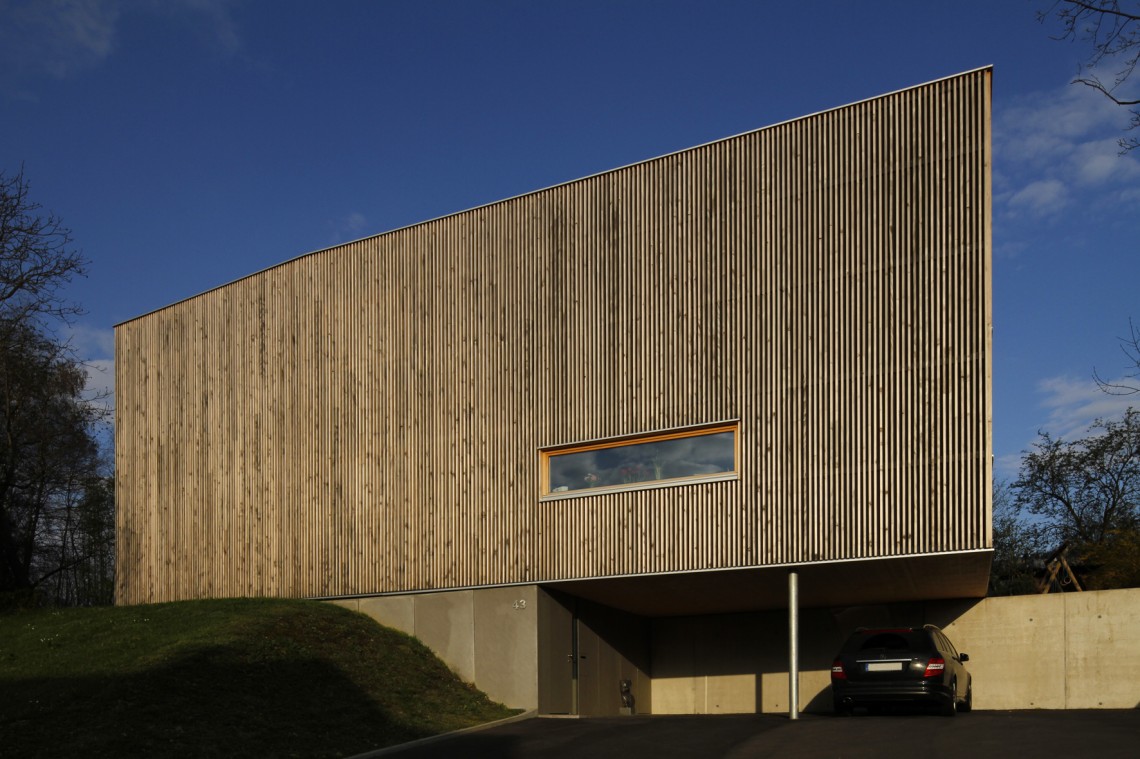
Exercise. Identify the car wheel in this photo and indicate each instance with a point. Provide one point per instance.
(950, 708)
(841, 709)
(968, 703)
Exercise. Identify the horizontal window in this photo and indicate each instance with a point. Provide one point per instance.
(646, 460)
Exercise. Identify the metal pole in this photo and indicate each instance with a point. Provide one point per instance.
(793, 646)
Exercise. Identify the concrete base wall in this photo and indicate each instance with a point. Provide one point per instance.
(489, 637)
(738, 663)
(1069, 651)
(1065, 651)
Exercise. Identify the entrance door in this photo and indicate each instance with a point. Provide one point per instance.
(585, 651)
(589, 650)
(558, 655)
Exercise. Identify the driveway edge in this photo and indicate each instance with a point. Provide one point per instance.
(389, 750)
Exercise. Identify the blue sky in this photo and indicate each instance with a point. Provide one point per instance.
(190, 142)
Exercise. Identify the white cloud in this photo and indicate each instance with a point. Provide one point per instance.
(87, 25)
(351, 227)
(356, 221)
(95, 348)
(221, 29)
(1129, 196)
(1100, 162)
(90, 342)
(1055, 150)
(1010, 249)
(60, 38)
(100, 387)
(1037, 125)
(1007, 466)
(1040, 198)
(1074, 404)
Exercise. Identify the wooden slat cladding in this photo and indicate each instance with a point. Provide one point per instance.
(368, 418)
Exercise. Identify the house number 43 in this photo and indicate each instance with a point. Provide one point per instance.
(519, 604)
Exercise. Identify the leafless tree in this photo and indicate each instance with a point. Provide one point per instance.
(1112, 28)
(1130, 384)
(36, 258)
(54, 502)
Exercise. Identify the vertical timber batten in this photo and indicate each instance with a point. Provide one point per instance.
(367, 419)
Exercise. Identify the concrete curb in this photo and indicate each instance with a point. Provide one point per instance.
(390, 750)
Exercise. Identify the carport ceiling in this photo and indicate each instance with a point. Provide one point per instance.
(849, 583)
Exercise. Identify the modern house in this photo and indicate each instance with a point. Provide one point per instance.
(587, 434)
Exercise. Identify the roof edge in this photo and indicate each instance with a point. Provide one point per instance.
(623, 167)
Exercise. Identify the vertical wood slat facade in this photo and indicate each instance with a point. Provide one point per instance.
(368, 418)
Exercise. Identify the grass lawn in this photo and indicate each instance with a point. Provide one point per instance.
(242, 677)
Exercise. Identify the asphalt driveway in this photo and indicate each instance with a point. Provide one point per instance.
(1100, 733)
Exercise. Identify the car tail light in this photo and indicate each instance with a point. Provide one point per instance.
(837, 672)
(935, 667)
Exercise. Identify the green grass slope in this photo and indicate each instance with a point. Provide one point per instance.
(243, 677)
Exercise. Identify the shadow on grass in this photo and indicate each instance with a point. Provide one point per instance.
(202, 704)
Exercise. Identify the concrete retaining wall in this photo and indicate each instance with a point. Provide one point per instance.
(1068, 651)
(488, 637)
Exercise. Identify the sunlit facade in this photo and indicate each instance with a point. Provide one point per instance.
(644, 395)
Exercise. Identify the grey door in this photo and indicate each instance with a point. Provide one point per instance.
(589, 651)
(557, 655)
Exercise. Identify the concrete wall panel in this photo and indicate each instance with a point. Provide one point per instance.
(1102, 662)
(738, 663)
(1071, 651)
(489, 637)
(1017, 650)
(445, 622)
(394, 611)
(506, 644)
(678, 685)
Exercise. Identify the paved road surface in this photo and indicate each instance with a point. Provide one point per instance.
(1102, 734)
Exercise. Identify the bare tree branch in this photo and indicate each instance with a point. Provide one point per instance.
(1130, 347)
(50, 469)
(36, 260)
(1113, 31)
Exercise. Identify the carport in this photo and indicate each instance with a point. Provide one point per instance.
(651, 629)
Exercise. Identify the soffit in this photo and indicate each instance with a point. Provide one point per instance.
(833, 584)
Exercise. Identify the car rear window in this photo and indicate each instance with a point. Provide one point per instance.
(891, 641)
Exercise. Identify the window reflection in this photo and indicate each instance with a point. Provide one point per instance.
(650, 461)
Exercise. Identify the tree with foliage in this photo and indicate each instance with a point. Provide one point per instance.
(80, 565)
(1112, 28)
(1018, 545)
(53, 491)
(47, 453)
(1085, 494)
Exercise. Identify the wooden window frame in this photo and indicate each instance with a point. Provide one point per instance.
(550, 452)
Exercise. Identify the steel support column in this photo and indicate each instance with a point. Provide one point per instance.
(793, 646)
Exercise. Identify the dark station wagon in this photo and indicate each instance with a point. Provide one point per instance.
(897, 666)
